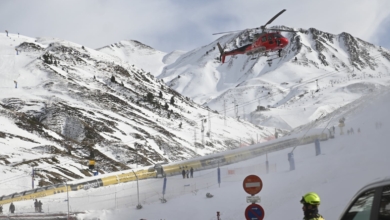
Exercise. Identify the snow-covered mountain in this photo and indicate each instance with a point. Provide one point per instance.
(132, 104)
(60, 100)
(318, 73)
(131, 52)
(135, 53)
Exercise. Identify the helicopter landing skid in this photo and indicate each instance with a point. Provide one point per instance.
(270, 60)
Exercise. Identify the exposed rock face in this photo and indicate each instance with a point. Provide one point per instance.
(357, 49)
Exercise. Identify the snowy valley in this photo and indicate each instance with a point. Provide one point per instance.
(135, 106)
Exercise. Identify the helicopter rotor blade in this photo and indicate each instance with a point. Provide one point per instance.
(273, 18)
(261, 27)
(226, 32)
(272, 29)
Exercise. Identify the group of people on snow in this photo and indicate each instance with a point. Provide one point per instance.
(187, 173)
(38, 206)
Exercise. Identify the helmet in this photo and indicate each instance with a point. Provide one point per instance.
(311, 198)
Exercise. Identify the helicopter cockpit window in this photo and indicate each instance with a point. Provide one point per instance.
(264, 39)
(278, 36)
(270, 37)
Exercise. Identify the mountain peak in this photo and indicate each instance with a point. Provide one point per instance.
(278, 82)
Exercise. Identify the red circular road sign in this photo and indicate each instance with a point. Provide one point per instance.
(252, 184)
(254, 212)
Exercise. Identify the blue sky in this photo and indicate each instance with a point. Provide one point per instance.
(173, 24)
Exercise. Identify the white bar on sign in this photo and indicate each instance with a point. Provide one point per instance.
(254, 184)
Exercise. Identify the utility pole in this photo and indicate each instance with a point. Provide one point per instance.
(266, 162)
(224, 111)
(235, 108)
(32, 177)
(195, 140)
(139, 206)
(67, 197)
(137, 155)
(202, 130)
(243, 109)
(209, 126)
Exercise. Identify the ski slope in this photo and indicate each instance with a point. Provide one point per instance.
(347, 163)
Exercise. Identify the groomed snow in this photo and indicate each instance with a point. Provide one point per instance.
(346, 164)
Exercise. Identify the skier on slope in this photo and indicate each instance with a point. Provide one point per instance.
(310, 202)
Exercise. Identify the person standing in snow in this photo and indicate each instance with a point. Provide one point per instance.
(310, 203)
(16, 84)
(12, 208)
(36, 205)
(183, 172)
(39, 206)
(188, 173)
(6, 32)
(192, 172)
(1, 209)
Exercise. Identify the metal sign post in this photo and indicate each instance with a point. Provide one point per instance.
(267, 163)
(163, 200)
(252, 185)
(32, 178)
(254, 212)
(219, 177)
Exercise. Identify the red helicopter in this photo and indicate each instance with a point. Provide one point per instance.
(262, 43)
